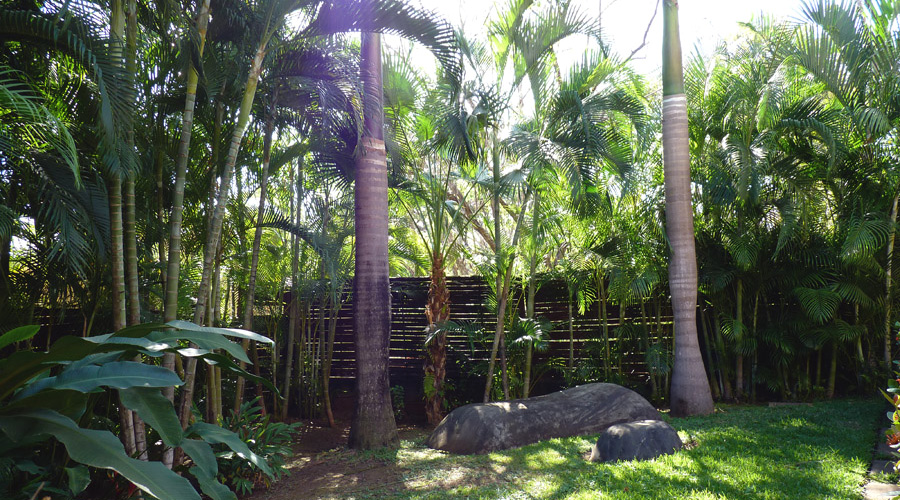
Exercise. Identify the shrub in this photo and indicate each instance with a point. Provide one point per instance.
(52, 393)
(268, 440)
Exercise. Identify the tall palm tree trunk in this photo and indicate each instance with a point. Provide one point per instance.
(888, 282)
(504, 280)
(328, 355)
(690, 393)
(373, 422)
(173, 262)
(498, 246)
(529, 305)
(437, 311)
(131, 257)
(116, 232)
(295, 299)
(126, 417)
(604, 323)
(215, 229)
(257, 241)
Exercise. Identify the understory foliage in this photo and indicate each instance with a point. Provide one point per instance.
(271, 441)
(56, 404)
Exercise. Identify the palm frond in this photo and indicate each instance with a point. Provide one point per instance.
(391, 16)
(819, 304)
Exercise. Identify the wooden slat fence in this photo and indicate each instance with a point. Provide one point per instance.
(468, 296)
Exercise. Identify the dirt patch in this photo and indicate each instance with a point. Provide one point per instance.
(322, 467)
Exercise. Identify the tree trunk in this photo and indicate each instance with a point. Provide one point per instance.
(739, 340)
(690, 388)
(173, 263)
(215, 230)
(295, 291)
(704, 329)
(118, 236)
(437, 311)
(498, 246)
(502, 301)
(181, 160)
(116, 253)
(373, 422)
(134, 307)
(604, 322)
(888, 282)
(215, 309)
(131, 257)
(529, 305)
(329, 355)
(257, 241)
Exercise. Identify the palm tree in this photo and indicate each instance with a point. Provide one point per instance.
(373, 422)
(173, 263)
(521, 56)
(690, 392)
(431, 197)
(851, 47)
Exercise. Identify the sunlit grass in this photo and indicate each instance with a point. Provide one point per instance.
(791, 452)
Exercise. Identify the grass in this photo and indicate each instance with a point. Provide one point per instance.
(792, 452)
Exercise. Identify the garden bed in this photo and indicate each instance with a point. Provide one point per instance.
(817, 452)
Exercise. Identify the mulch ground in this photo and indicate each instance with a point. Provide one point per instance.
(323, 467)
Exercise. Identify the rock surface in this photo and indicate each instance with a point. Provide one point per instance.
(642, 440)
(587, 409)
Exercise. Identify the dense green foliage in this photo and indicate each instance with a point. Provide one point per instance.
(268, 440)
(58, 394)
(157, 163)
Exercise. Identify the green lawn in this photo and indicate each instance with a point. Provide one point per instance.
(795, 452)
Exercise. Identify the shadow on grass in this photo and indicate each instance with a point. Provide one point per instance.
(742, 452)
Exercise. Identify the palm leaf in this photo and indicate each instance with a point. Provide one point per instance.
(819, 304)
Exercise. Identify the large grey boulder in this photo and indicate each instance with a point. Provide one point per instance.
(587, 409)
(642, 440)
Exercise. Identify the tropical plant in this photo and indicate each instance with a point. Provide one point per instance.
(270, 441)
(852, 49)
(436, 197)
(690, 388)
(51, 394)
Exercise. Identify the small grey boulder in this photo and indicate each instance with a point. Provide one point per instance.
(641, 440)
(579, 411)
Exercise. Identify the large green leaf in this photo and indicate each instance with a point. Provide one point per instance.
(117, 374)
(204, 340)
(216, 435)
(228, 332)
(144, 343)
(67, 402)
(79, 478)
(22, 366)
(18, 335)
(156, 410)
(206, 469)
(98, 449)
